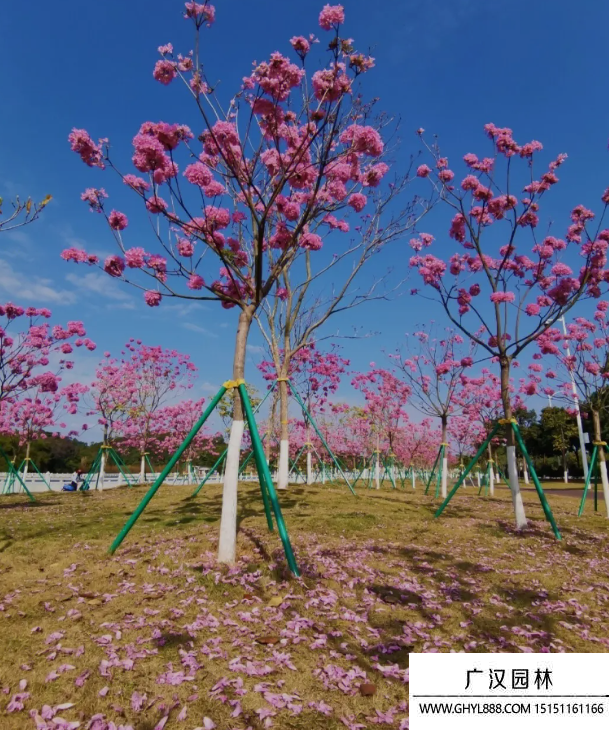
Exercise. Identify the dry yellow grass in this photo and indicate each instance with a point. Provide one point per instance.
(381, 578)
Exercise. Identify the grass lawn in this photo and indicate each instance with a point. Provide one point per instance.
(161, 636)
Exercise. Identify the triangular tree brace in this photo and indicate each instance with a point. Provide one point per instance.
(540, 493)
(266, 484)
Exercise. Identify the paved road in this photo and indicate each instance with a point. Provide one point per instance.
(575, 492)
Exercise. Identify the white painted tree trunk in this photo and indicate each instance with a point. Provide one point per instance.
(377, 467)
(521, 520)
(413, 479)
(309, 466)
(102, 468)
(566, 476)
(444, 477)
(143, 469)
(605, 482)
(526, 472)
(491, 481)
(478, 478)
(227, 547)
(283, 475)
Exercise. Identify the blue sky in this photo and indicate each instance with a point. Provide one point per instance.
(448, 66)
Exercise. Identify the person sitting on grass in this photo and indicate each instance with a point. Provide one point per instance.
(73, 485)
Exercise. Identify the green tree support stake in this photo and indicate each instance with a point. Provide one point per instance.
(320, 435)
(118, 463)
(15, 475)
(388, 471)
(596, 489)
(94, 466)
(540, 493)
(211, 471)
(469, 467)
(265, 475)
(440, 470)
(149, 465)
(361, 471)
(161, 478)
(588, 477)
(33, 463)
(433, 470)
(293, 463)
(225, 452)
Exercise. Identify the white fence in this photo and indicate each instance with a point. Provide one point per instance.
(56, 481)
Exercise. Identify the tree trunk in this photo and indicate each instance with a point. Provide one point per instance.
(26, 463)
(491, 472)
(444, 458)
(271, 428)
(602, 462)
(283, 472)
(142, 468)
(227, 545)
(413, 477)
(377, 469)
(525, 470)
(102, 462)
(564, 466)
(512, 467)
(309, 456)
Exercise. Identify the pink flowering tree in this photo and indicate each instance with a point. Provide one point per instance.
(482, 405)
(434, 368)
(173, 423)
(506, 279)
(417, 443)
(386, 396)
(39, 411)
(315, 375)
(235, 205)
(465, 435)
(21, 213)
(581, 358)
(347, 432)
(112, 397)
(158, 374)
(32, 352)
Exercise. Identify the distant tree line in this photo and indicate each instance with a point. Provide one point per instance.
(62, 455)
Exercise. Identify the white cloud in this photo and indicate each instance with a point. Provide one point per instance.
(179, 309)
(197, 328)
(100, 284)
(32, 290)
(255, 349)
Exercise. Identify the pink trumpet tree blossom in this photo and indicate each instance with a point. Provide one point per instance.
(316, 376)
(416, 444)
(386, 396)
(33, 352)
(481, 404)
(173, 423)
(260, 184)
(580, 359)
(37, 412)
(158, 374)
(503, 276)
(110, 398)
(434, 366)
